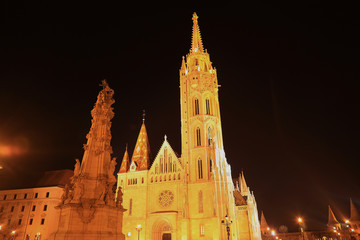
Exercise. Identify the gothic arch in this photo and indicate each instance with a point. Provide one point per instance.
(160, 227)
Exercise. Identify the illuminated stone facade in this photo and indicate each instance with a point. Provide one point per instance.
(188, 196)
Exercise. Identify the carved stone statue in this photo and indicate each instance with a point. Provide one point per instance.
(112, 167)
(119, 198)
(109, 195)
(78, 191)
(65, 194)
(77, 168)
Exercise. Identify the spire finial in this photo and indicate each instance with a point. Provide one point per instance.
(195, 18)
(196, 43)
(143, 115)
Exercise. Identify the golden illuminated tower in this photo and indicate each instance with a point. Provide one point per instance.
(208, 173)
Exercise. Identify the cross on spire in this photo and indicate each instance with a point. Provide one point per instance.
(143, 115)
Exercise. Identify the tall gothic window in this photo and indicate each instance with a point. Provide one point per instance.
(200, 171)
(130, 207)
(201, 202)
(196, 107)
(170, 164)
(161, 165)
(209, 137)
(198, 137)
(210, 165)
(207, 104)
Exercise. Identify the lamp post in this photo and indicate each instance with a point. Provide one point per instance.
(138, 229)
(300, 221)
(227, 223)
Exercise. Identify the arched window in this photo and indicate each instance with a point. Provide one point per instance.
(170, 164)
(200, 171)
(130, 207)
(208, 108)
(198, 137)
(209, 137)
(161, 165)
(156, 169)
(196, 107)
(201, 204)
(210, 165)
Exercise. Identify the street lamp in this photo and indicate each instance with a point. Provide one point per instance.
(13, 234)
(300, 221)
(138, 229)
(227, 223)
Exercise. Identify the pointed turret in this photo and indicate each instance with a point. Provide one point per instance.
(243, 186)
(125, 162)
(332, 221)
(354, 213)
(263, 223)
(141, 155)
(196, 43)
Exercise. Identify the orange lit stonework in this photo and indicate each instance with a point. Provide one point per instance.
(188, 196)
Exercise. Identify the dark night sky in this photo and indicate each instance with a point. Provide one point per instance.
(289, 95)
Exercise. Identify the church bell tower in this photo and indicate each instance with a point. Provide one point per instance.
(208, 174)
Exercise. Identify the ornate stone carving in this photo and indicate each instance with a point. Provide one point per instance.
(119, 198)
(166, 198)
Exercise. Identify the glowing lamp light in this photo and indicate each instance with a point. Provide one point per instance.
(0, 227)
(273, 232)
(129, 234)
(351, 229)
(13, 232)
(299, 220)
(339, 234)
(347, 221)
(268, 229)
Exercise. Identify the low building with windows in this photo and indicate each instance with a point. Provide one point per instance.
(31, 213)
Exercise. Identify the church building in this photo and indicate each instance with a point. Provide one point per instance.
(191, 196)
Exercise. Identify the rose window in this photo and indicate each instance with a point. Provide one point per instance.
(166, 198)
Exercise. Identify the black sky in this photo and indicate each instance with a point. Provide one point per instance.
(289, 91)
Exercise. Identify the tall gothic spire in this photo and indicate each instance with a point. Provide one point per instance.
(196, 43)
(141, 155)
(243, 186)
(354, 213)
(332, 221)
(125, 162)
(263, 223)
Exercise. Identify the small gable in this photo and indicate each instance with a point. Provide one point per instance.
(166, 161)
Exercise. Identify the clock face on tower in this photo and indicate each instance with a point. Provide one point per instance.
(166, 198)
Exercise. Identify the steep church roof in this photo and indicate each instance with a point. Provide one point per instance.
(141, 154)
(125, 162)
